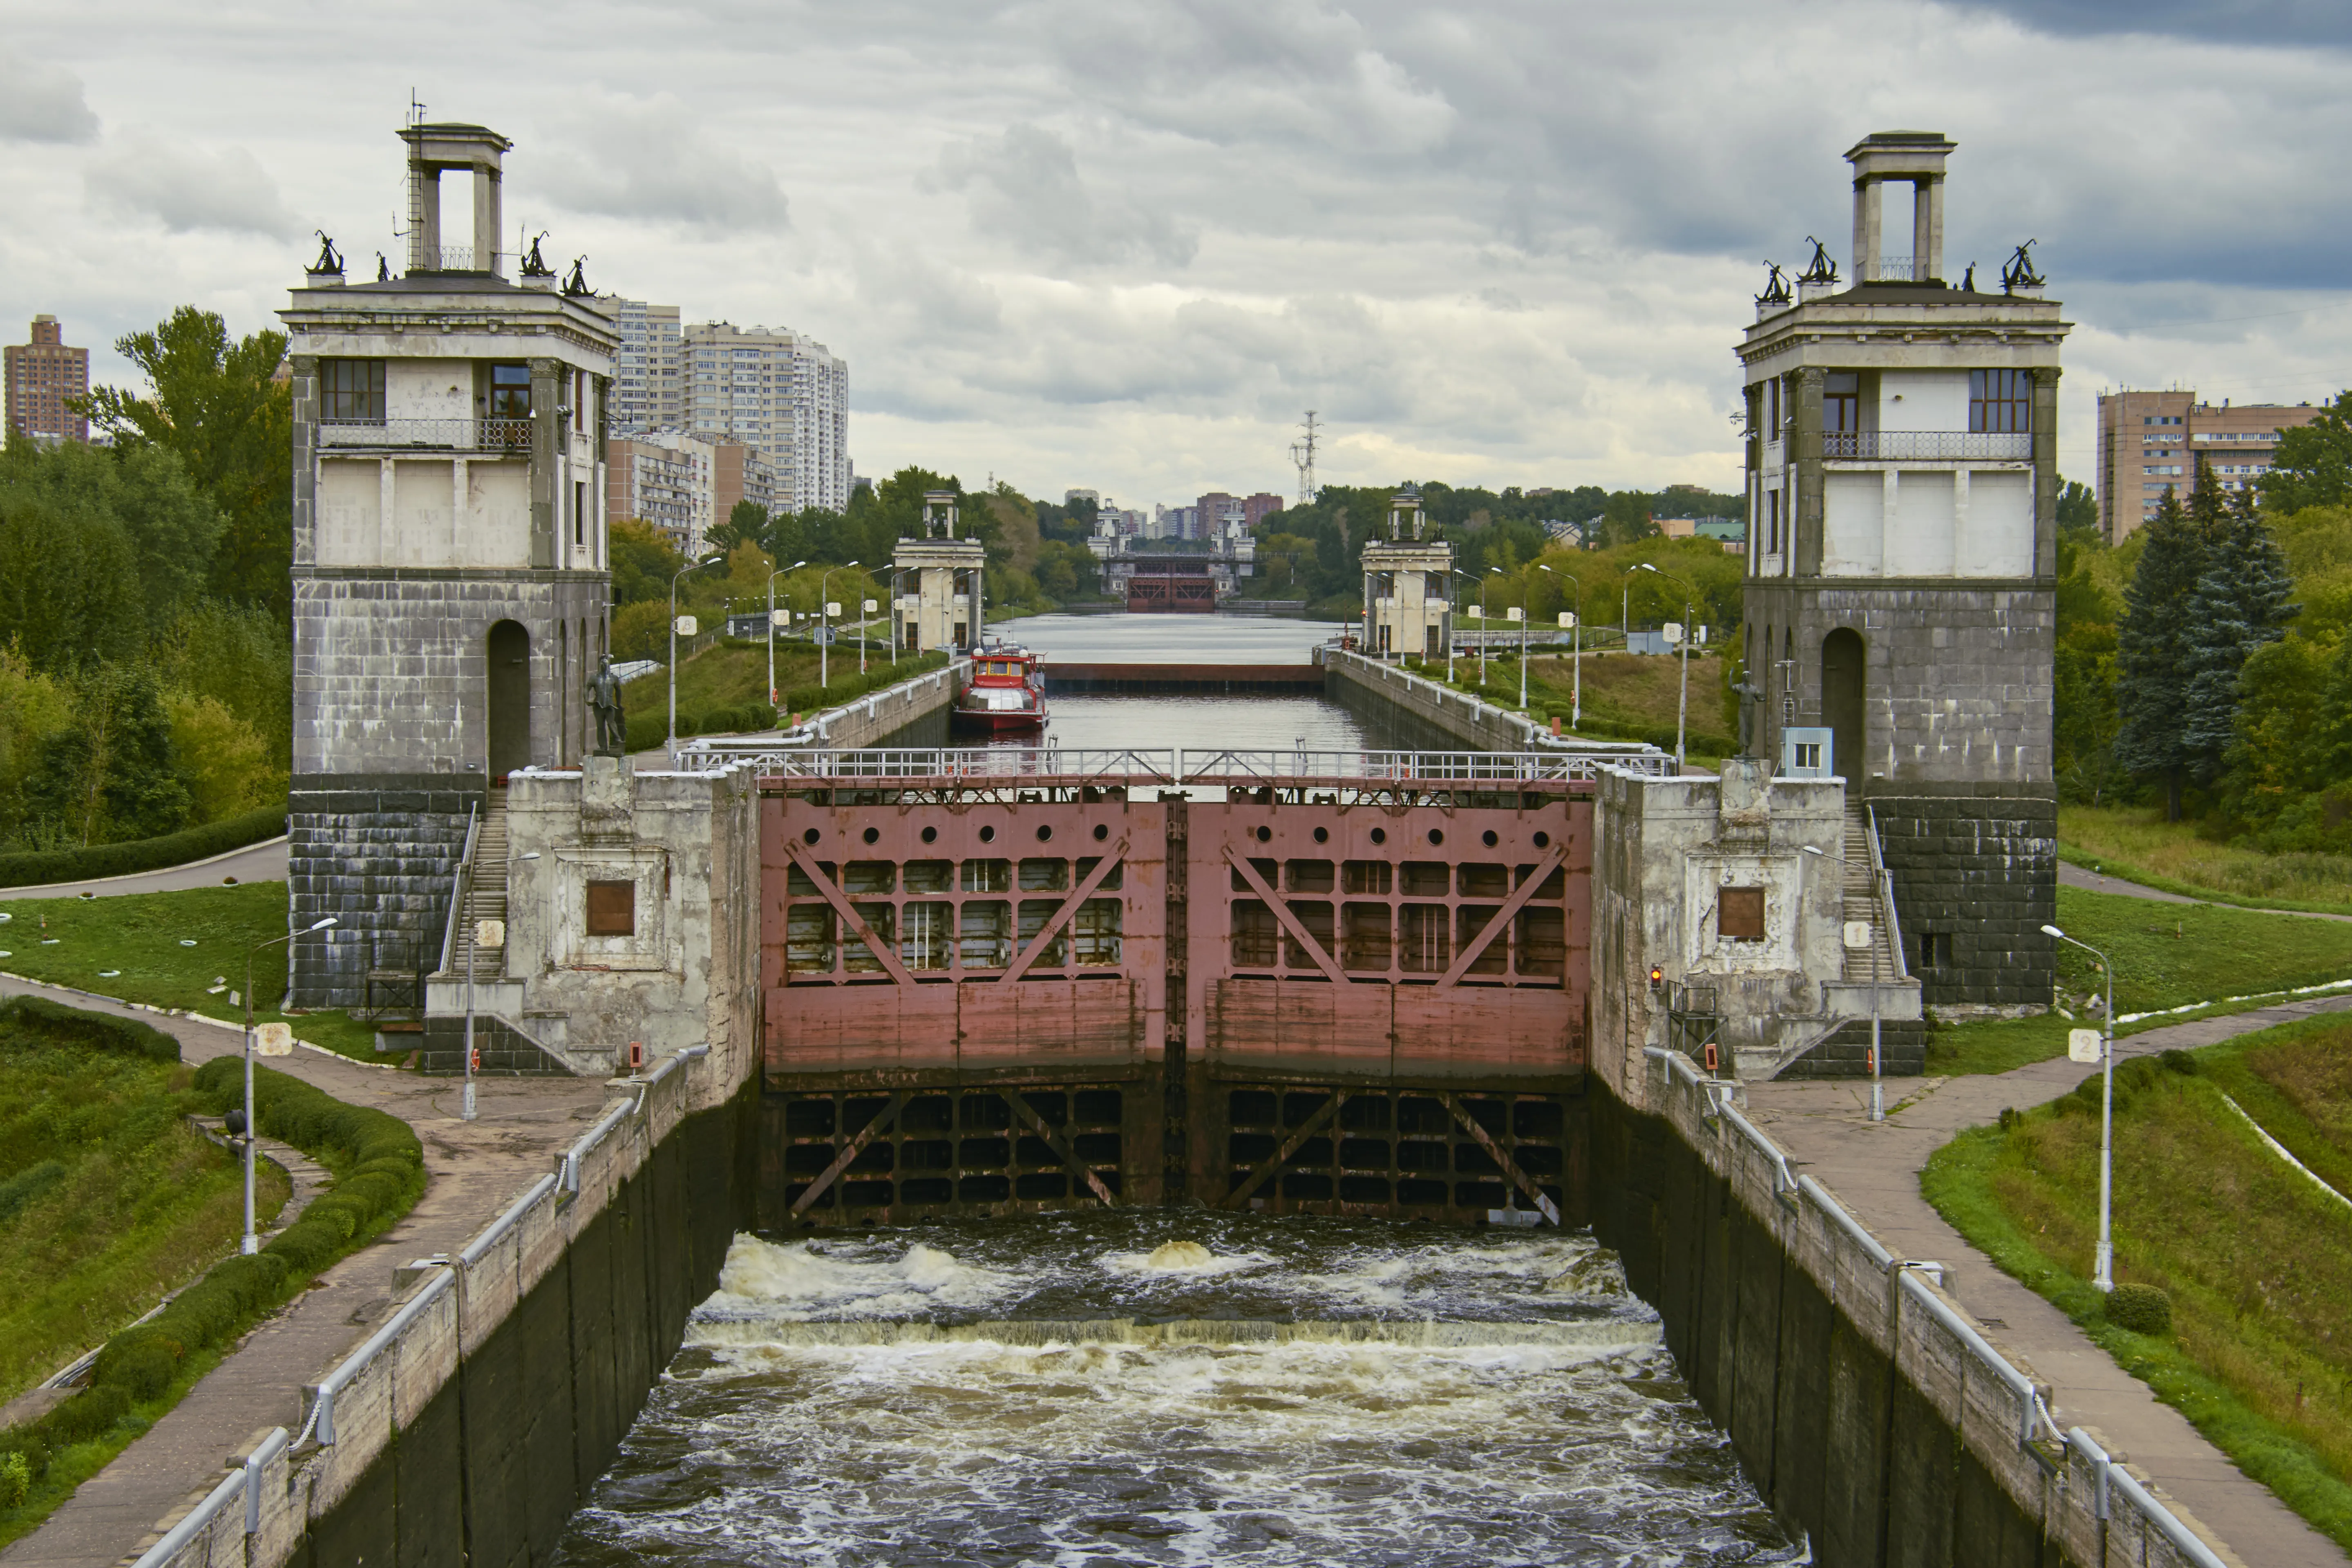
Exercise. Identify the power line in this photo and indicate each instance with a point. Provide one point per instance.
(1302, 452)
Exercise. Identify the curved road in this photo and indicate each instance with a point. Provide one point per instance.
(263, 862)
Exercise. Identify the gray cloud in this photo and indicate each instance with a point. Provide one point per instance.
(2255, 23)
(650, 159)
(187, 188)
(1024, 187)
(42, 102)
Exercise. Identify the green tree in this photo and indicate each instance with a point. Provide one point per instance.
(111, 774)
(2240, 603)
(143, 492)
(2314, 463)
(214, 403)
(2152, 653)
(747, 523)
(2084, 695)
(2078, 507)
(69, 585)
(643, 561)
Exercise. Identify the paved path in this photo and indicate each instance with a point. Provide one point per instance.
(1874, 1169)
(263, 862)
(474, 1171)
(2072, 875)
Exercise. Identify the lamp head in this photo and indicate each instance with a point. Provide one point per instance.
(2053, 930)
(1812, 848)
(796, 565)
(322, 925)
(1645, 566)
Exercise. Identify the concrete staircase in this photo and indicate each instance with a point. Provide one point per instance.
(486, 897)
(1903, 1034)
(1878, 961)
(504, 1048)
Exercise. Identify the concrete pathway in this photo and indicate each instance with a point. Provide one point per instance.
(2073, 876)
(474, 1171)
(263, 862)
(1874, 1170)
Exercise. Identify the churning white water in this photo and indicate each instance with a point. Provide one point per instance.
(1174, 1387)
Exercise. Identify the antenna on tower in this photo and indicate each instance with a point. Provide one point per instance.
(416, 110)
(1302, 452)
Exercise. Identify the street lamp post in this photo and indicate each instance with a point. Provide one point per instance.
(2103, 1274)
(825, 621)
(1453, 629)
(1682, 703)
(773, 694)
(1877, 1064)
(690, 566)
(252, 1242)
(1576, 628)
(1492, 571)
(863, 616)
(1527, 614)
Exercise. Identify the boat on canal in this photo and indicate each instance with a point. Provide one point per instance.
(1004, 694)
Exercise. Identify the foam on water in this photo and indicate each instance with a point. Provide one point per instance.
(762, 1278)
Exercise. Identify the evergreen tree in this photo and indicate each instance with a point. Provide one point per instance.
(2152, 669)
(2239, 605)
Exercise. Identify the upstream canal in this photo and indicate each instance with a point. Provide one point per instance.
(1176, 1386)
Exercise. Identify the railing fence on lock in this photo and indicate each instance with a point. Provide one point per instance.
(1229, 766)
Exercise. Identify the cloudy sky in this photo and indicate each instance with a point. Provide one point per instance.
(1126, 244)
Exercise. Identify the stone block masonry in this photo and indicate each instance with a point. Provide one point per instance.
(1976, 878)
(380, 853)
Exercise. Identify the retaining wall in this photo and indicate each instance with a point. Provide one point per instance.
(881, 716)
(471, 1426)
(1478, 725)
(1863, 1404)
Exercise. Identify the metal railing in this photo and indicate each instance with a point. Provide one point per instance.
(423, 258)
(1177, 765)
(1891, 269)
(1927, 446)
(461, 889)
(1883, 880)
(499, 435)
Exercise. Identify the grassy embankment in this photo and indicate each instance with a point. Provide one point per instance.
(2255, 1257)
(108, 1198)
(723, 689)
(183, 950)
(2166, 956)
(2136, 843)
(1627, 696)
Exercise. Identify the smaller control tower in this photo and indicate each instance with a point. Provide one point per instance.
(1406, 609)
(944, 610)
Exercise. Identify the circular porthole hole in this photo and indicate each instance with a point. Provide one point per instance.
(873, 835)
(1102, 831)
(930, 836)
(1380, 836)
(810, 837)
(1489, 839)
(1322, 835)
(1045, 831)
(1543, 840)
(987, 834)
(1264, 835)
(1435, 837)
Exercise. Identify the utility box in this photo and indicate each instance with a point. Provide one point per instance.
(1807, 754)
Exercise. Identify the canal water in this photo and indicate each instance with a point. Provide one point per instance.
(1175, 1386)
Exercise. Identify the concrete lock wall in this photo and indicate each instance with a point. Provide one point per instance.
(1860, 1403)
(478, 1419)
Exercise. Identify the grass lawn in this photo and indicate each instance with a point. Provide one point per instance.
(2256, 1258)
(108, 1199)
(170, 950)
(2166, 956)
(2136, 843)
(1623, 691)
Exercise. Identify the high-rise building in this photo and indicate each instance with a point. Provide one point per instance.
(740, 475)
(649, 392)
(2149, 443)
(666, 477)
(781, 393)
(41, 376)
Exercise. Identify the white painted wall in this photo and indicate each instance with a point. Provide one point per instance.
(428, 525)
(1919, 543)
(1853, 507)
(429, 389)
(1923, 400)
(1996, 530)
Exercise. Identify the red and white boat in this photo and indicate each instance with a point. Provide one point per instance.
(1004, 694)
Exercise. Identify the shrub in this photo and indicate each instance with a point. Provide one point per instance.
(32, 867)
(2141, 1309)
(15, 1479)
(53, 1022)
(86, 1414)
(2179, 1061)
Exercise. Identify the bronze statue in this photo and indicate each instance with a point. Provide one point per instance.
(604, 702)
(1776, 287)
(1969, 280)
(329, 259)
(533, 264)
(1821, 269)
(2019, 273)
(383, 268)
(577, 284)
(1750, 694)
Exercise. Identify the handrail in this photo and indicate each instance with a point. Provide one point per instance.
(1854, 1228)
(321, 1422)
(2111, 1475)
(491, 1234)
(175, 1540)
(2019, 1383)
(1783, 1179)
(567, 1172)
(268, 1448)
(1885, 879)
(461, 886)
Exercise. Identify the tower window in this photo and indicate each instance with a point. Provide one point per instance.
(351, 391)
(1841, 402)
(509, 392)
(2000, 402)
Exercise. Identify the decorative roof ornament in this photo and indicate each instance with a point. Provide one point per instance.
(329, 259)
(2020, 274)
(533, 264)
(576, 285)
(1821, 269)
(1776, 287)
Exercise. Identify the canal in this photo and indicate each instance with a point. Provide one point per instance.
(1175, 1386)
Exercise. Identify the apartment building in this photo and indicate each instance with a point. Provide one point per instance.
(649, 392)
(781, 393)
(669, 478)
(2149, 443)
(41, 376)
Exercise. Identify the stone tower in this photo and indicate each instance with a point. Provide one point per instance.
(1407, 608)
(945, 610)
(450, 586)
(1902, 483)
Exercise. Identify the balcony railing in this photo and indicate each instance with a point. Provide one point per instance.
(1890, 269)
(431, 435)
(450, 259)
(1924, 446)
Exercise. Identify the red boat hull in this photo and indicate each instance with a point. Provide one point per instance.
(996, 720)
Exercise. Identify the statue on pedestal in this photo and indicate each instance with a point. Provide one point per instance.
(604, 702)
